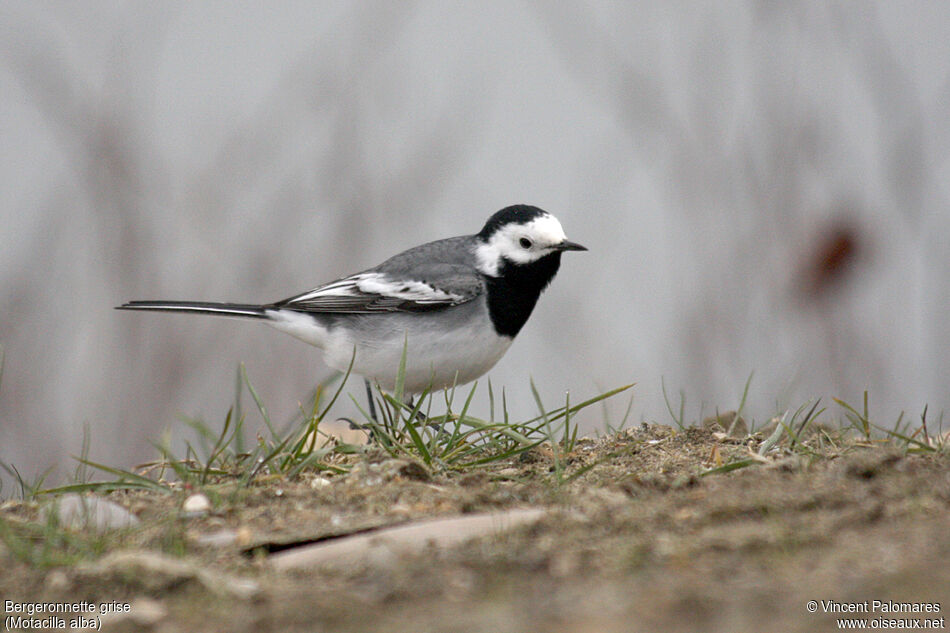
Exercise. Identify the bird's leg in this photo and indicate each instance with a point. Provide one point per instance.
(422, 418)
(372, 403)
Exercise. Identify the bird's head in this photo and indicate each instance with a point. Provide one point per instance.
(520, 235)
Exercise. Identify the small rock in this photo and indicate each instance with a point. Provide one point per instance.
(790, 464)
(403, 468)
(724, 421)
(78, 512)
(196, 505)
(146, 612)
(219, 538)
(143, 613)
(320, 482)
(244, 536)
(401, 509)
(530, 456)
(56, 580)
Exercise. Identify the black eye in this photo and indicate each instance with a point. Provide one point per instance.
(525, 242)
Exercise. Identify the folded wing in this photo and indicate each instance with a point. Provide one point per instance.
(433, 287)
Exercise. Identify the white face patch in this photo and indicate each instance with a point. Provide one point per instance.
(520, 243)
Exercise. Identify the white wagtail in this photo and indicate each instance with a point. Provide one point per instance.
(453, 305)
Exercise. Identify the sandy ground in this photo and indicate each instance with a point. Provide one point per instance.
(638, 541)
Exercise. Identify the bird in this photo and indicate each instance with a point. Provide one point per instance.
(451, 307)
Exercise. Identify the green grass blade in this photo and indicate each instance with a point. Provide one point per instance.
(491, 402)
(456, 431)
(556, 414)
(220, 446)
(339, 390)
(401, 373)
(927, 448)
(410, 428)
(125, 477)
(680, 421)
(860, 421)
(260, 404)
(776, 435)
(731, 466)
(742, 401)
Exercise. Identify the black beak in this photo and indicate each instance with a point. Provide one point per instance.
(570, 246)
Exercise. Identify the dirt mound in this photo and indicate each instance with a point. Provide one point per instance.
(647, 529)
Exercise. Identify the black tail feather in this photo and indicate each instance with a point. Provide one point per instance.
(199, 307)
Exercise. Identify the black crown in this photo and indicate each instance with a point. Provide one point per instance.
(515, 214)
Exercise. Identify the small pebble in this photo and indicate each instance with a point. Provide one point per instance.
(196, 505)
(80, 512)
(57, 580)
(143, 612)
(219, 538)
(147, 611)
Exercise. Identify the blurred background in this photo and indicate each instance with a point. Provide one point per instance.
(763, 187)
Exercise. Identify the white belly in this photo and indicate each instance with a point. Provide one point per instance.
(443, 348)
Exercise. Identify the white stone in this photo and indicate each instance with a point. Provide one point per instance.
(196, 504)
(78, 512)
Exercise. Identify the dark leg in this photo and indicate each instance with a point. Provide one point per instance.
(372, 403)
(421, 417)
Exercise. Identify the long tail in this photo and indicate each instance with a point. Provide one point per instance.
(200, 307)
